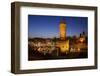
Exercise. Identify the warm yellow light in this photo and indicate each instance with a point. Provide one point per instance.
(81, 39)
(64, 46)
(78, 49)
(62, 31)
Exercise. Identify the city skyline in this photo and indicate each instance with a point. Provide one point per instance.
(48, 26)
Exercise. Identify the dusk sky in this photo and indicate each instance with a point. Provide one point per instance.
(48, 26)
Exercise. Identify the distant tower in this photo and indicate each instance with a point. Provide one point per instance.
(62, 30)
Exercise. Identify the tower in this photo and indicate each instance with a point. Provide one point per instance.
(62, 30)
(63, 43)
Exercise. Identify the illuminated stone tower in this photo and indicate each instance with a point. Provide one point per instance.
(62, 30)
